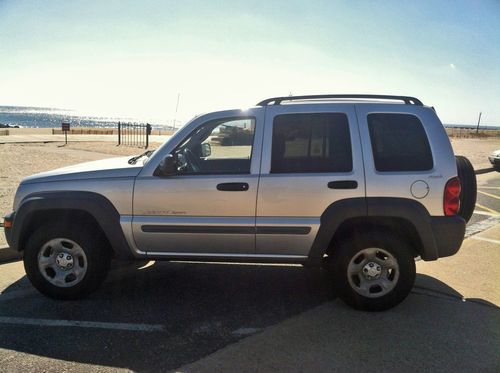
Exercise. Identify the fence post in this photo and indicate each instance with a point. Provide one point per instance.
(119, 134)
(148, 132)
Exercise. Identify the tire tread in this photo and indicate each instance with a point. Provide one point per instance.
(468, 184)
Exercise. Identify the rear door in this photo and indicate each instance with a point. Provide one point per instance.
(311, 158)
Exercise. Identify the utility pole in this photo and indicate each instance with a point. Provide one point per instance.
(478, 121)
(176, 107)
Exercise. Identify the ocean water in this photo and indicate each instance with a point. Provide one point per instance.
(35, 117)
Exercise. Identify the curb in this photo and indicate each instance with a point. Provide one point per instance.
(7, 255)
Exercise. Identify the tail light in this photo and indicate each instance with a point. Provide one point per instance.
(451, 199)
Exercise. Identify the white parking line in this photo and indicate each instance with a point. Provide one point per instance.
(487, 209)
(82, 324)
(484, 213)
(485, 239)
(482, 225)
(246, 331)
(488, 194)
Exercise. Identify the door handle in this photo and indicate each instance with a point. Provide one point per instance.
(343, 184)
(233, 187)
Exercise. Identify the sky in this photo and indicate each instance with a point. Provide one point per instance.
(134, 58)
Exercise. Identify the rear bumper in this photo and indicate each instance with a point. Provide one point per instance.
(448, 232)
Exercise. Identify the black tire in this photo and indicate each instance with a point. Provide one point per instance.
(468, 184)
(94, 246)
(346, 250)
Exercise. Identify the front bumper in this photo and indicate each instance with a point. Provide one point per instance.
(449, 232)
(495, 161)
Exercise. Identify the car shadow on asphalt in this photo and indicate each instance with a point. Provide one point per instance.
(203, 308)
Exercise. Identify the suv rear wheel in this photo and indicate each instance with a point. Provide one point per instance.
(372, 271)
(66, 262)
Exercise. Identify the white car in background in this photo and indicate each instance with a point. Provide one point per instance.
(495, 159)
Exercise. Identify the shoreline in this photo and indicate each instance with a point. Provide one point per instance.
(74, 131)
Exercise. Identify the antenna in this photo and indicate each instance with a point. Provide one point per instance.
(478, 121)
(176, 107)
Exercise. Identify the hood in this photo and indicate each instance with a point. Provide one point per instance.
(105, 168)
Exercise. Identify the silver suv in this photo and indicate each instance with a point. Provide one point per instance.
(360, 185)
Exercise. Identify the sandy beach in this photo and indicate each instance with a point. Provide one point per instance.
(20, 160)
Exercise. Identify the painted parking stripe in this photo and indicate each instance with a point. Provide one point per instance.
(486, 239)
(488, 194)
(479, 212)
(246, 331)
(487, 209)
(82, 324)
(481, 225)
(488, 187)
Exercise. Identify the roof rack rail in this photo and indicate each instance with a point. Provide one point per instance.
(408, 100)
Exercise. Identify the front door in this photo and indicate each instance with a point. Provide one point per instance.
(208, 207)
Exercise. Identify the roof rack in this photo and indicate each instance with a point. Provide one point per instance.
(408, 100)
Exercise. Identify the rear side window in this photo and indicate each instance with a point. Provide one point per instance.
(399, 143)
(313, 142)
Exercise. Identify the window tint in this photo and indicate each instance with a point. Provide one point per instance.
(399, 143)
(314, 142)
(222, 146)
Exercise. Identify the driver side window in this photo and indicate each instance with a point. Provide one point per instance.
(221, 146)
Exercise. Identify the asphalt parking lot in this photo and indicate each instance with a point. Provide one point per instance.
(170, 314)
(158, 316)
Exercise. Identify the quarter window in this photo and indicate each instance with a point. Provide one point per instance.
(313, 142)
(399, 143)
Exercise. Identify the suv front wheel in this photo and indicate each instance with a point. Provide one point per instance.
(372, 271)
(66, 262)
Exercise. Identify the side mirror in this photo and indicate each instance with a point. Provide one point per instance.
(206, 149)
(167, 167)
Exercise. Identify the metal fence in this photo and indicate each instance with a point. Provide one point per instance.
(133, 134)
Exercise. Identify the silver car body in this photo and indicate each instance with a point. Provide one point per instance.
(277, 217)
